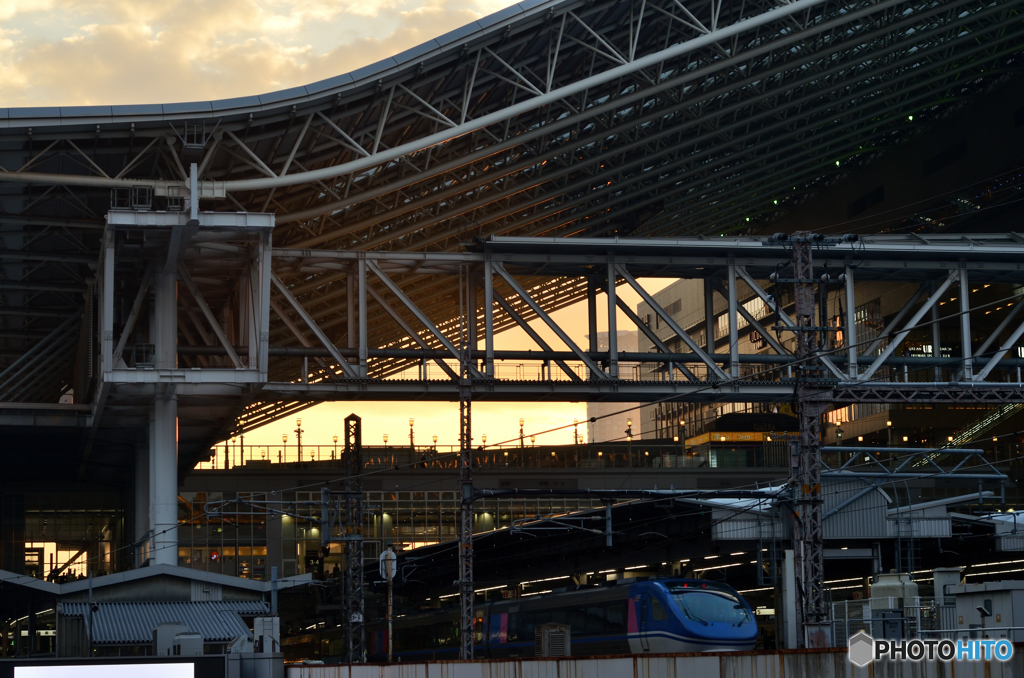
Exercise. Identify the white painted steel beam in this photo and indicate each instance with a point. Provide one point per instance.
(319, 333)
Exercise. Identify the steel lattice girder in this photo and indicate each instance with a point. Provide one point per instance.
(555, 118)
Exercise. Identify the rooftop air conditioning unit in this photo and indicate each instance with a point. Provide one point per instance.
(553, 640)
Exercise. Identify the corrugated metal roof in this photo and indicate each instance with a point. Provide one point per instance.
(133, 623)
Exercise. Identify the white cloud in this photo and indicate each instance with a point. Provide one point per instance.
(12, 8)
(75, 52)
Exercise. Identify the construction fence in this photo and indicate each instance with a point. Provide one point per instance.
(830, 663)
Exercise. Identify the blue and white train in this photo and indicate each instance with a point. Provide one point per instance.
(657, 616)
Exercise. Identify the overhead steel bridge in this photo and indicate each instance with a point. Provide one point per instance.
(549, 123)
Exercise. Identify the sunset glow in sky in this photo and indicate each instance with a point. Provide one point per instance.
(82, 52)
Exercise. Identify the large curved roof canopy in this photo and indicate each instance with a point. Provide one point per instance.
(562, 118)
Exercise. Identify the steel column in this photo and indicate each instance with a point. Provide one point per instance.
(592, 314)
(709, 315)
(613, 343)
(936, 340)
(363, 341)
(734, 335)
(965, 324)
(351, 313)
(263, 308)
(850, 336)
(488, 318)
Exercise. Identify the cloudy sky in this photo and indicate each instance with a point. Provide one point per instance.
(80, 52)
(85, 52)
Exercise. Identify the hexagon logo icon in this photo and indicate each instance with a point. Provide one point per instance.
(862, 648)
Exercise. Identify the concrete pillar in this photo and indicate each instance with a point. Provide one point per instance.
(165, 321)
(141, 519)
(163, 452)
(163, 484)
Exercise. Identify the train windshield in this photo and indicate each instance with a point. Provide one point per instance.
(711, 606)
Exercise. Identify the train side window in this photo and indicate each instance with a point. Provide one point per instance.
(596, 620)
(578, 619)
(512, 630)
(558, 616)
(658, 611)
(616, 616)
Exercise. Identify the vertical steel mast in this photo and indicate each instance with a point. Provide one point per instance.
(353, 538)
(466, 485)
(805, 459)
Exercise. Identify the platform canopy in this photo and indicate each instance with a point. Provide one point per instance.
(556, 118)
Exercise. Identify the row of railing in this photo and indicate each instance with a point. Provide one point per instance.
(613, 455)
(772, 452)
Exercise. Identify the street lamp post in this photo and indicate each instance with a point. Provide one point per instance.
(629, 441)
(576, 437)
(385, 441)
(522, 439)
(412, 438)
(334, 452)
(298, 436)
(284, 446)
(435, 443)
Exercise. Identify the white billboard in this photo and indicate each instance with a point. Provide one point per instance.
(183, 670)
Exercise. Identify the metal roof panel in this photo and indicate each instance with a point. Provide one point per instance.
(86, 111)
(283, 95)
(499, 16)
(329, 83)
(133, 623)
(35, 112)
(373, 69)
(188, 107)
(237, 102)
(417, 51)
(137, 109)
(458, 34)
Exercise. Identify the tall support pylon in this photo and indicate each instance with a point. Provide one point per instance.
(354, 606)
(466, 485)
(805, 458)
(465, 527)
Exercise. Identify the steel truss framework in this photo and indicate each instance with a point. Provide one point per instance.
(408, 347)
(559, 118)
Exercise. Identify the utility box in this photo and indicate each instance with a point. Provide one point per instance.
(188, 645)
(553, 640)
(266, 635)
(992, 609)
(164, 636)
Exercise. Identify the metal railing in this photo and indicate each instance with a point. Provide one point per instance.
(925, 616)
(492, 457)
